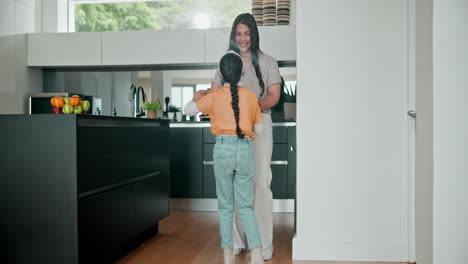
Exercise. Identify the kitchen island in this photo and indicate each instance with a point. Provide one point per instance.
(80, 188)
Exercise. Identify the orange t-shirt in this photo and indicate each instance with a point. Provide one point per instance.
(217, 104)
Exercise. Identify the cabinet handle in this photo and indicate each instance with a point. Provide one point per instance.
(273, 162)
(292, 148)
(279, 162)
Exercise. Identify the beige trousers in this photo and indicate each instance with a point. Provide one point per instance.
(263, 198)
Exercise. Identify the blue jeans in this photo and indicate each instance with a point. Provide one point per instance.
(234, 169)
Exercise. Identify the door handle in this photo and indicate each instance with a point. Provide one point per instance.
(412, 113)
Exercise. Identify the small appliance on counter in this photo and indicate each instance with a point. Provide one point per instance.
(204, 117)
(40, 103)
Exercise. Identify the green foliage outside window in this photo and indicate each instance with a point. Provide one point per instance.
(113, 17)
(156, 15)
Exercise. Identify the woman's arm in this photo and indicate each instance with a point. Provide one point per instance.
(214, 86)
(274, 92)
(191, 109)
(216, 81)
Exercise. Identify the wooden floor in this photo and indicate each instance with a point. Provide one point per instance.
(193, 238)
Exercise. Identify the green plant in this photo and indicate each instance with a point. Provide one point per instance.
(289, 92)
(151, 106)
(174, 109)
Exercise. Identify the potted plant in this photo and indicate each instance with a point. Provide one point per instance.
(289, 94)
(174, 111)
(151, 108)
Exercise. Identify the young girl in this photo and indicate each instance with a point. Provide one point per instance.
(233, 112)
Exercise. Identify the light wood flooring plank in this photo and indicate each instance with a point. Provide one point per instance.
(187, 237)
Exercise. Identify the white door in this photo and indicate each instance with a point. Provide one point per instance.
(353, 132)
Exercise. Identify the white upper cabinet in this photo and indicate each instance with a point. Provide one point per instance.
(217, 43)
(64, 49)
(279, 42)
(153, 47)
(147, 48)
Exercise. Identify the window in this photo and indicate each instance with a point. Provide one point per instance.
(291, 86)
(123, 15)
(181, 95)
(199, 87)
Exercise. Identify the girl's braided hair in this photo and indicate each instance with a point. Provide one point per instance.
(230, 67)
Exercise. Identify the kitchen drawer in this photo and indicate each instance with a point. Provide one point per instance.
(208, 152)
(104, 171)
(280, 152)
(186, 162)
(151, 201)
(280, 134)
(207, 136)
(106, 223)
(209, 182)
(153, 154)
(95, 142)
(279, 182)
(292, 162)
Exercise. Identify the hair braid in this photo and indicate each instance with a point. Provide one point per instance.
(235, 107)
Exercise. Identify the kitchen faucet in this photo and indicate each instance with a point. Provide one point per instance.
(134, 97)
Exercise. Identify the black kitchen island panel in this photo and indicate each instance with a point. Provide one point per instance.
(80, 188)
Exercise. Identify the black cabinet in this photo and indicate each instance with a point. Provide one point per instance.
(209, 182)
(116, 221)
(105, 225)
(279, 170)
(186, 162)
(280, 134)
(292, 162)
(88, 189)
(192, 174)
(151, 200)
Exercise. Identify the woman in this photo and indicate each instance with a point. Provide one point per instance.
(261, 75)
(234, 166)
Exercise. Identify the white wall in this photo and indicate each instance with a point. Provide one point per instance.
(450, 132)
(54, 16)
(16, 18)
(424, 132)
(17, 81)
(19, 16)
(352, 183)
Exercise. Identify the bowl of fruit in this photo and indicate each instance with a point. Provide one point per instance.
(69, 105)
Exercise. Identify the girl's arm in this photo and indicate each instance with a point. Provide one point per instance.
(204, 100)
(191, 108)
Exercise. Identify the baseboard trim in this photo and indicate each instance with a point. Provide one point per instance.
(349, 250)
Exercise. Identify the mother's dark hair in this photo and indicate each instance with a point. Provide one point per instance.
(248, 20)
